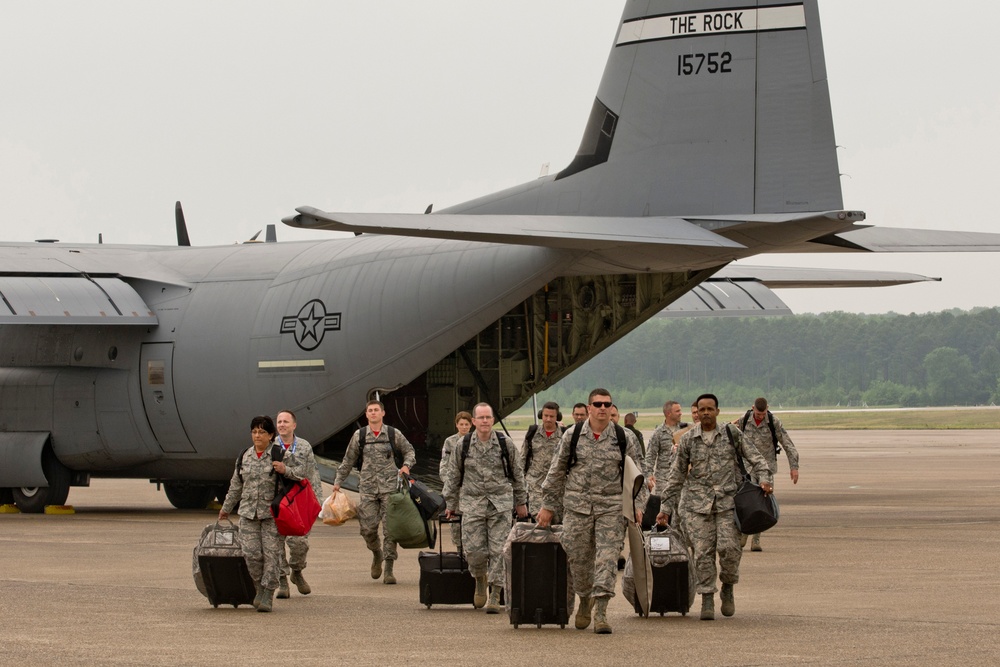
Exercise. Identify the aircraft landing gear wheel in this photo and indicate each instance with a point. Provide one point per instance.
(185, 496)
(34, 500)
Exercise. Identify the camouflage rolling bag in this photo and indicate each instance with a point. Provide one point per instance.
(219, 568)
(673, 574)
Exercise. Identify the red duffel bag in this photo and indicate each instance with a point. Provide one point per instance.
(295, 512)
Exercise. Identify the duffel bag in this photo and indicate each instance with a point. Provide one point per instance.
(403, 522)
(295, 512)
(754, 511)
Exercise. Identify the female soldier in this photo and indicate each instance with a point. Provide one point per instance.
(453, 444)
(252, 486)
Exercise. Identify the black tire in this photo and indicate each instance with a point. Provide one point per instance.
(34, 500)
(220, 493)
(6, 496)
(185, 496)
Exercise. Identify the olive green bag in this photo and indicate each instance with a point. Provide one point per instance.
(403, 521)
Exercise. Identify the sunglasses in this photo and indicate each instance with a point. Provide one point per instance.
(601, 404)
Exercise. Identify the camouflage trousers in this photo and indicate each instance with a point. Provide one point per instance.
(298, 547)
(371, 513)
(484, 537)
(592, 543)
(456, 535)
(261, 548)
(712, 534)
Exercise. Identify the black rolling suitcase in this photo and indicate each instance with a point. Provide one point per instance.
(444, 575)
(219, 568)
(536, 576)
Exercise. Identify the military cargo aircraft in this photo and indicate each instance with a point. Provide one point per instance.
(710, 140)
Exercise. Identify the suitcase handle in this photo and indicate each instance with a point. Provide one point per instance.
(441, 519)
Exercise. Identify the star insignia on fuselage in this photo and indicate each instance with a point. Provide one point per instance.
(310, 324)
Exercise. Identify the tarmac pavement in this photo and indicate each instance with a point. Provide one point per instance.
(886, 553)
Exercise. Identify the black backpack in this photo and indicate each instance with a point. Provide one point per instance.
(362, 436)
(528, 437)
(770, 424)
(508, 471)
(622, 444)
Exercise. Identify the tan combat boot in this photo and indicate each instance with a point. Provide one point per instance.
(388, 578)
(583, 613)
(755, 544)
(743, 540)
(282, 588)
(708, 607)
(260, 594)
(479, 599)
(300, 583)
(376, 564)
(493, 606)
(266, 600)
(601, 625)
(728, 600)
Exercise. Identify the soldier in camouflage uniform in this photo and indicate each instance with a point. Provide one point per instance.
(379, 477)
(661, 448)
(541, 441)
(706, 466)
(463, 424)
(487, 489)
(301, 464)
(757, 429)
(252, 486)
(590, 492)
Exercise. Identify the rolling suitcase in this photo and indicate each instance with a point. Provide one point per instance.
(673, 574)
(536, 576)
(219, 568)
(444, 576)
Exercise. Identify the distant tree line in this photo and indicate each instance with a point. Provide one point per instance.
(945, 358)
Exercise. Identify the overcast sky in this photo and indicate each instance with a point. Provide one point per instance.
(244, 110)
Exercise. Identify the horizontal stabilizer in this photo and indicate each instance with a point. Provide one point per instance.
(787, 277)
(551, 231)
(745, 291)
(896, 239)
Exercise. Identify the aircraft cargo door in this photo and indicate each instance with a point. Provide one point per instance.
(158, 398)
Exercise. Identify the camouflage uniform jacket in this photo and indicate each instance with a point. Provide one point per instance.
(660, 450)
(594, 484)
(378, 470)
(255, 490)
(543, 448)
(714, 476)
(451, 444)
(638, 436)
(485, 483)
(760, 436)
(301, 463)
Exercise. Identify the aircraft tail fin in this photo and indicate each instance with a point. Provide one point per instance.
(714, 107)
